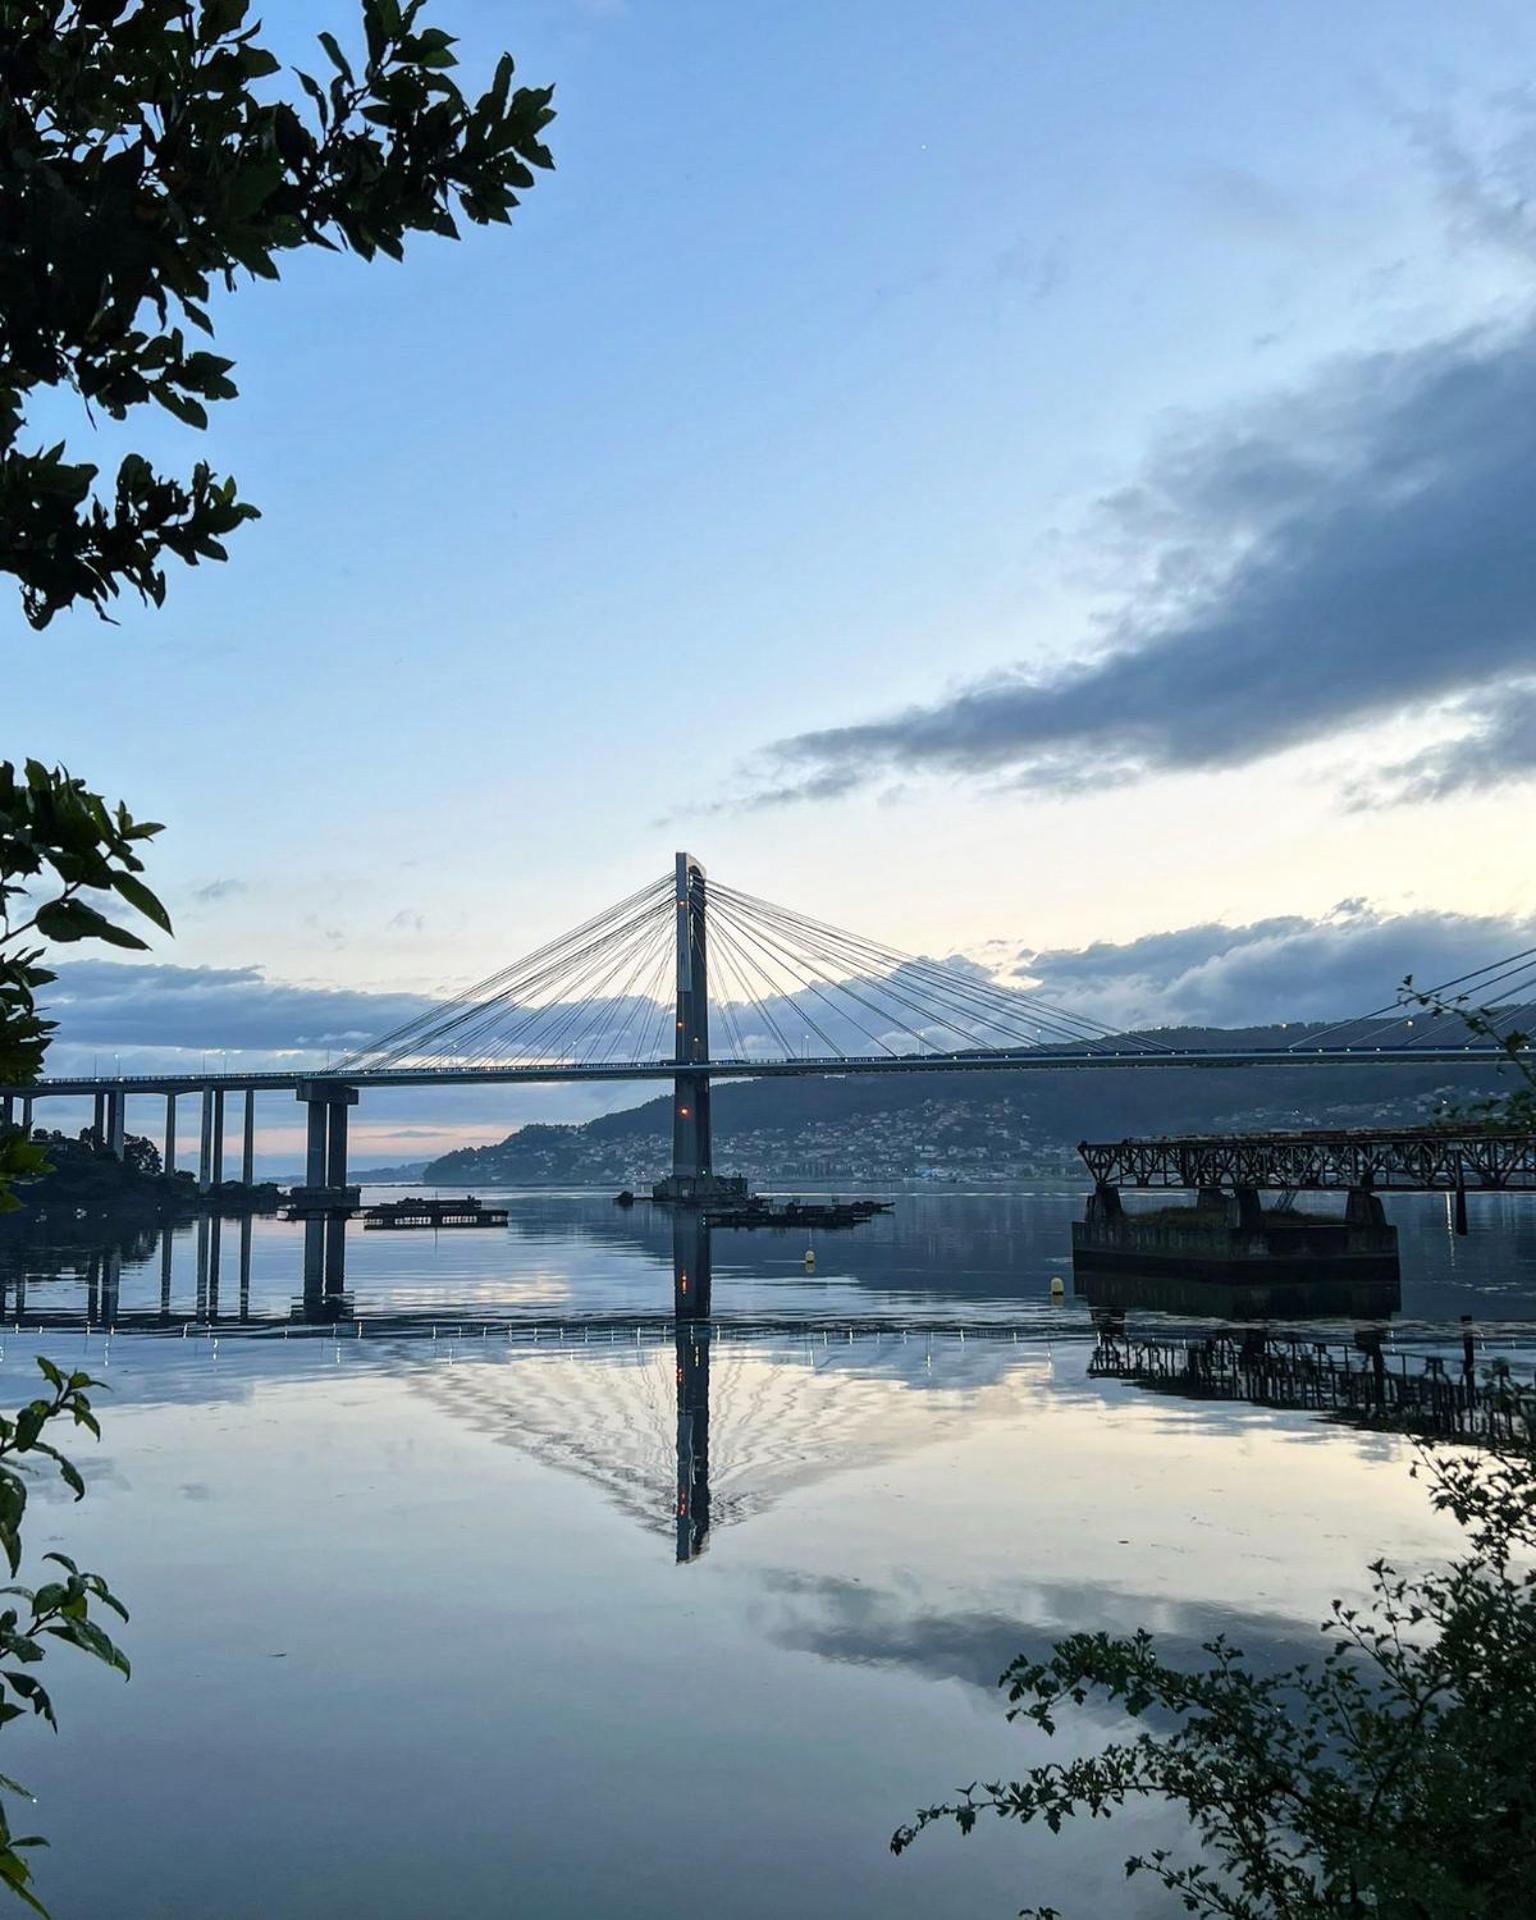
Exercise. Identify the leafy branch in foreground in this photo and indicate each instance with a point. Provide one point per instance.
(139, 170)
(1391, 1779)
(60, 1609)
(59, 845)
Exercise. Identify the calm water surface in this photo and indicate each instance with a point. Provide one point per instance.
(418, 1629)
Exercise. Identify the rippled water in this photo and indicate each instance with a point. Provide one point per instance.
(419, 1629)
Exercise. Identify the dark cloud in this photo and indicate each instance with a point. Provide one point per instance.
(1499, 745)
(1357, 551)
(97, 1002)
(166, 1019)
(1285, 968)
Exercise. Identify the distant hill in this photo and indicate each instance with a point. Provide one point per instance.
(394, 1176)
(895, 1126)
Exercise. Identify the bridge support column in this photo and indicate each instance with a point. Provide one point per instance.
(1248, 1214)
(99, 1118)
(248, 1140)
(1364, 1209)
(336, 1146)
(205, 1144)
(218, 1136)
(7, 1110)
(1104, 1208)
(168, 1158)
(26, 1114)
(314, 1162)
(117, 1115)
(325, 1168)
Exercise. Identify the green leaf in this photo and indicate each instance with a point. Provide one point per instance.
(138, 895)
(338, 58)
(189, 411)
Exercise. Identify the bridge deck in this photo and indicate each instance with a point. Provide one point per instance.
(1033, 1061)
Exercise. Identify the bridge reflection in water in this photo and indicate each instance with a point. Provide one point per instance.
(630, 1430)
(323, 1301)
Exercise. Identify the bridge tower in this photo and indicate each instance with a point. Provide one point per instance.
(693, 1180)
(691, 1141)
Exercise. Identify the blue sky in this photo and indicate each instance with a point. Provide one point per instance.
(862, 377)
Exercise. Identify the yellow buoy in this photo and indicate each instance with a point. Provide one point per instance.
(810, 1259)
(1058, 1287)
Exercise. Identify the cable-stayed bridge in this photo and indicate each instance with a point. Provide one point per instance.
(688, 980)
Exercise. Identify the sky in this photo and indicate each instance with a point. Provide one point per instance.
(1050, 483)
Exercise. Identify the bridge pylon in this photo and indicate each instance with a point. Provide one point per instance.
(693, 1179)
(692, 1146)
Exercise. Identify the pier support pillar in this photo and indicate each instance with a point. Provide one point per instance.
(218, 1136)
(1248, 1214)
(1104, 1208)
(26, 1114)
(99, 1118)
(205, 1144)
(7, 1110)
(117, 1131)
(248, 1140)
(1363, 1209)
(314, 1161)
(325, 1165)
(336, 1146)
(168, 1158)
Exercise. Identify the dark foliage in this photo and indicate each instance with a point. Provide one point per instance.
(140, 169)
(1391, 1778)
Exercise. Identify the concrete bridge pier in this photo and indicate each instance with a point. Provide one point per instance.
(117, 1116)
(1104, 1208)
(325, 1161)
(26, 1114)
(7, 1110)
(205, 1145)
(248, 1140)
(1247, 1210)
(99, 1117)
(168, 1158)
(218, 1136)
(1363, 1209)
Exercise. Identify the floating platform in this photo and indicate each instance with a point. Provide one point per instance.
(401, 1216)
(797, 1213)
